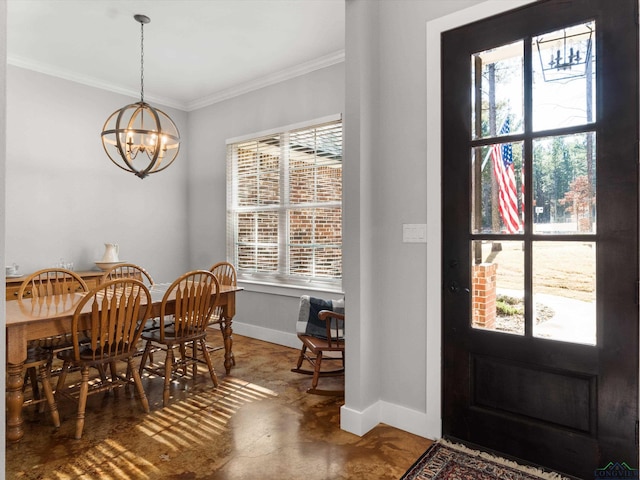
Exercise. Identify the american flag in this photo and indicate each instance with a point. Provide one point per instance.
(502, 157)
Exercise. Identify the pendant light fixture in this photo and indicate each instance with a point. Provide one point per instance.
(139, 138)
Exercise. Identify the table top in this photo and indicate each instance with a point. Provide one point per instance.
(63, 306)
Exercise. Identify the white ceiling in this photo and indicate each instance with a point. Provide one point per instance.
(196, 52)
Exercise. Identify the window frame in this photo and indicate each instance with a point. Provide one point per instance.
(281, 277)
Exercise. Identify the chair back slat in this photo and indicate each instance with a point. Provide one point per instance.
(335, 328)
(226, 274)
(196, 294)
(51, 281)
(127, 270)
(116, 316)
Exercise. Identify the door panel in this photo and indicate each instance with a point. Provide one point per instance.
(540, 234)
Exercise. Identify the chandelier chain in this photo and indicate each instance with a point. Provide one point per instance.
(141, 62)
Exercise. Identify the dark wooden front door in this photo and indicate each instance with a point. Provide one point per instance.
(540, 234)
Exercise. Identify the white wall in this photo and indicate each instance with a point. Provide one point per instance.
(3, 124)
(270, 316)
(64, 197)
(363, 291)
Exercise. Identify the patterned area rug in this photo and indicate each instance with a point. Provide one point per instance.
(447, 461)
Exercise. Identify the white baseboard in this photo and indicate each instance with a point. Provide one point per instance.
(278, 337)
(359, 422)
(397, 416)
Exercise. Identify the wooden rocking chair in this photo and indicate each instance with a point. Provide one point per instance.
(316, 344)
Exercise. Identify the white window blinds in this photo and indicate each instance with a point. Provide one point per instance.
(284, 198)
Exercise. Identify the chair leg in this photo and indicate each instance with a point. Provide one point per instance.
(50, 362)
(303, 351)
(114, 370)
(183, 355)
(63, 376)
(82, 402)
(32, 375)
(33, 379)
(145, 355)
(128, 377)
(194, 353)
(150, 353)
(138, 383)
(207, 357)
(103, 375)
(316, 372)
(168, 368)
(48, 393)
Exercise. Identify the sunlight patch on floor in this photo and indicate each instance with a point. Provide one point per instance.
(182, 424)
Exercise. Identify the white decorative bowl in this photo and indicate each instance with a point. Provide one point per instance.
(107, 265)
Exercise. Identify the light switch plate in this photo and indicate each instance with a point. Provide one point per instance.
(414, 233)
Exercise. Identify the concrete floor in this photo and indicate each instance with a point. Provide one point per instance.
(258, 424)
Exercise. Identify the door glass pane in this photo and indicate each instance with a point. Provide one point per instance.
(564, 184)
(564, 291)
(497, 195)
(497, 292)
(564, 77)
(497, 90)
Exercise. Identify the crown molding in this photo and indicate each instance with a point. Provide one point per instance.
(289, 73)
(47, 69)
(286, 74)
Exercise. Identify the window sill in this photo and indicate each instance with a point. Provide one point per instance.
(288, 290)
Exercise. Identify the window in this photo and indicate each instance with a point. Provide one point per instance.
(284, 205)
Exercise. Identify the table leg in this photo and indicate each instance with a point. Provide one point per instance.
(15, 398)
(228, 312)
(227, 334)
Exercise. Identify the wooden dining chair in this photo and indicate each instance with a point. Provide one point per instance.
(46, 283)
(131, 270)
(114, 312)
(320, 328)
(51, 281)
(225, 272)
(127, 270)
(196, 295)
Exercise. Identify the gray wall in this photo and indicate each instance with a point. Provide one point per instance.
(64, 197)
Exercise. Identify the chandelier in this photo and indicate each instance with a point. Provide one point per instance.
(566, 53)
(139, 138)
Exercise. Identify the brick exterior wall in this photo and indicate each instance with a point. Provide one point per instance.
(315, 231)
(484, 295)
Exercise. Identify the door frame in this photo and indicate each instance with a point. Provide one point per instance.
(434, 149)
(434, 195)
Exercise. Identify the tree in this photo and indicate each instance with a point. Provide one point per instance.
(578, 201)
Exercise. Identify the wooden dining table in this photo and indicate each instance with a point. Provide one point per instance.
(31, 319)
